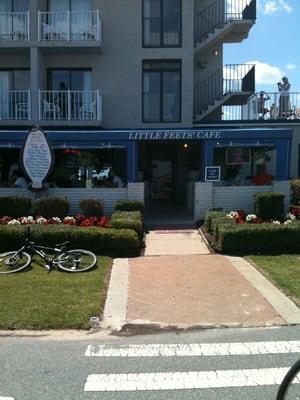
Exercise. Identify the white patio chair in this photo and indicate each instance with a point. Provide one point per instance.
(49, 109)
(21, 111)
(88, 111)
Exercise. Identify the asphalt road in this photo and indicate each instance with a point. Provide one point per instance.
(165, 366)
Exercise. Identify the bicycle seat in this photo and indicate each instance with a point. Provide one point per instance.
(60, 245)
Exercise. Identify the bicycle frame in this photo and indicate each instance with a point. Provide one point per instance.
(41, 251)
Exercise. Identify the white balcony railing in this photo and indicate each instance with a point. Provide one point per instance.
(69, 26)
(15, 105)
(274, 106)
(14, 26)
(70, 105)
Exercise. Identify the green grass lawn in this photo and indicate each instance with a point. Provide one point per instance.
(283, 271)
(35, 299)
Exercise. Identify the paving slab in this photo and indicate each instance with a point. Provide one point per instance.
(174, 242)
(194, 290)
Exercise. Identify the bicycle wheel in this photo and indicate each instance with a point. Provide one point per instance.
(76, 260)
(13, 261)
(290, 386)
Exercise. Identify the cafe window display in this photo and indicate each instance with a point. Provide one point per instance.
(246, 166)
(73, 168)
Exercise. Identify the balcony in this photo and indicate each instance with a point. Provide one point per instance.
(15, 105)
(231, 85)
(14, 27)
(69, 29)
(273, 108)
(62, 106)
(227, 21)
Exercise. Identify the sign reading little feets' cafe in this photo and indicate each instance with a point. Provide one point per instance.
(174, 135)
(36, 158)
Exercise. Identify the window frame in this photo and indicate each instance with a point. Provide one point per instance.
(161, 44)
(70, 70)
(161, 108)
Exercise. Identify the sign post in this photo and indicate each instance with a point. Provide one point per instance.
(212, 174)
(37, 158)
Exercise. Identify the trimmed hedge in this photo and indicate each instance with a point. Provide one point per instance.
(295, 195)
(269, 205)
(15, 206)
(49, 207)
(130, 205)
(245, 239)
(104, 241)
(128, 220)
(91, 208)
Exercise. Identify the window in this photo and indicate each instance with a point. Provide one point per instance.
(69, 5)
(70, 79)
(14, 86)
(161, 91)
(162, 23)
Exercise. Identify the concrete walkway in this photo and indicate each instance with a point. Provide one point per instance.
(179, 284)
(174, 242)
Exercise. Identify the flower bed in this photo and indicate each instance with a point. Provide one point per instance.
(79, 220)
(240, 217)
(234, 233)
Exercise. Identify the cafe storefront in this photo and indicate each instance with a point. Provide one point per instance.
(186, 167)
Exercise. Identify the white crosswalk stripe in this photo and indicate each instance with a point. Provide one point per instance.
(223, 378)
(184, 380)
(194, 350)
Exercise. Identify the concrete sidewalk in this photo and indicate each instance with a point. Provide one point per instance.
(179, 284)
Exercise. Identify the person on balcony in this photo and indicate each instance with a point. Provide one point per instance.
(284, 98)
(262, 110)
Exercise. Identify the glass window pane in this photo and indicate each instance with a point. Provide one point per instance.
(59, 80)
(151, 96)
(171, 22)
(21, 5)
(171, 96)
(152, 22)
(22, 80)
(81, 5)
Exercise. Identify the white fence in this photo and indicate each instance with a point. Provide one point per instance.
(69, 105)
(108, 196)
(15, 105)
(232, 198)
(69, 26)
(14, 26)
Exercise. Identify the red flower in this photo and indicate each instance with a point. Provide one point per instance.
(103, 222)
(5, 220)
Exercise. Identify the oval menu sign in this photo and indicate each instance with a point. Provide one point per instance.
(37, 158)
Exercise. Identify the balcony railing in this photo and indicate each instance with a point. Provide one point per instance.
(219, 13)
(69, 26)
(70, 105)
(231, 79)
(269, 106)
(14, 26)
(15, 105)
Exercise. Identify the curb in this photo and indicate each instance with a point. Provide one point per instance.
(279, 301)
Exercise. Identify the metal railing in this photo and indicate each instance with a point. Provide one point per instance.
(219, 13)
(268, 106)
(69, 26)
(15, 105)
(69, 105)
(14, 26)
(232, 78)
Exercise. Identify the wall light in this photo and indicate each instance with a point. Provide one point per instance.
(216, 52)
(185, 145)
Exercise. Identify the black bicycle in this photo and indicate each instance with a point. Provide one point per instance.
(290, 386)
(67, 260)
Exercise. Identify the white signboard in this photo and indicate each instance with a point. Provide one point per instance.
(37, 158)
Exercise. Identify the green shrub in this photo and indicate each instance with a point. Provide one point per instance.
(103, 241)
(269, 205)
(259, 239)
(123, 223)
(211, 215)
(130, 205)
(49, 207)
(127, 215)
(91, 208)
(295, 194)
(15, 207)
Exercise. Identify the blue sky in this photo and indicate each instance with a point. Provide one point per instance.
(273, 45)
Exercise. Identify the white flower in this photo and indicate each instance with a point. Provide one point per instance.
(276, 222)
(40, 221)
(30, 219)
(291, 217)
(289, 221)
(27, 220)
(57, 220)
(250, 217)
(69, 219)
(14, 222)
(233, 214)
